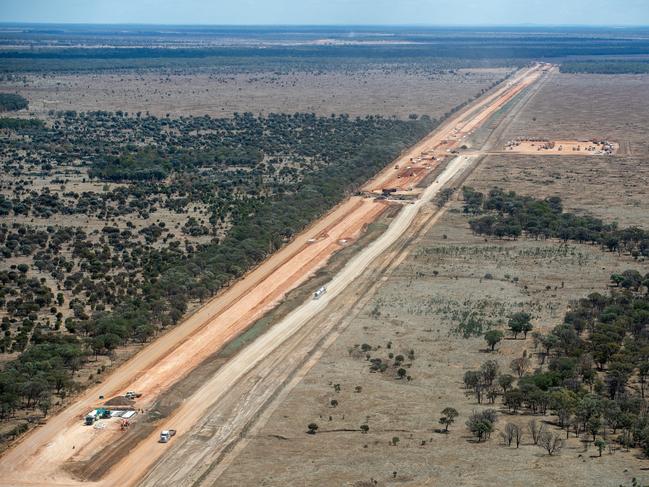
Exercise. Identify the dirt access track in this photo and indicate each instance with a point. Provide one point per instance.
(42, 456)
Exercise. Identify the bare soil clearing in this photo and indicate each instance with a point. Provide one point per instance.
(562, 147)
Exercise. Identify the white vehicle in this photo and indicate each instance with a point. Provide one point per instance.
(319, 292)
(166, 435)
(132, 395)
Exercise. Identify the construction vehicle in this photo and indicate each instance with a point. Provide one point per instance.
(96, 414)
(91, 417)
(319, 292)
(132, 395)
(166, 435)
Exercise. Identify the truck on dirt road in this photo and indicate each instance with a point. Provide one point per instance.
(319, 292)
(95, 415)
(166, 435)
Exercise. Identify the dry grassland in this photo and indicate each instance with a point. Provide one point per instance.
(443, 280)
(386, 92)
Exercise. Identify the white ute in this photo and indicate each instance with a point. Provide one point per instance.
(166, 435)
(319, 292)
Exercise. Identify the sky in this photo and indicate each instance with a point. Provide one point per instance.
(330, 12)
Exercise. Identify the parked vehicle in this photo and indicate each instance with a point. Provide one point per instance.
(95, 415)
(91, 417)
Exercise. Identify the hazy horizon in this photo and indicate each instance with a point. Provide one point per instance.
(420, 13)
(340, 25)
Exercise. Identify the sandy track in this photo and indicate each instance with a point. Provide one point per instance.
(38, 458)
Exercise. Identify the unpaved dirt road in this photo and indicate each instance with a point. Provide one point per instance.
(175, 354)
(290, 340)
(39, 458)
(450, 135)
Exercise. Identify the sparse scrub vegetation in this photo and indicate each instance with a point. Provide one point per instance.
(594, 375)
(240, 188)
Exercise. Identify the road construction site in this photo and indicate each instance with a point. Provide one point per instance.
(209, 418)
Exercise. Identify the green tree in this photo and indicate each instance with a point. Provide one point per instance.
(505, 382)
(448, 417)
(489, 371)
(520, 323)
(593, 425)
(474, 383)
(493, 338)
(600, 444)
(44, 403)
(563, 402)
(481, 424)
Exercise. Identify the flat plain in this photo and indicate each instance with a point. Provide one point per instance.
(199, 188)
(448, 274)
(392, 90)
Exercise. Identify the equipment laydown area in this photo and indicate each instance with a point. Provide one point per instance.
(110, 434)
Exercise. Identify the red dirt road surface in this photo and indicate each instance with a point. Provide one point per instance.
(39, 459)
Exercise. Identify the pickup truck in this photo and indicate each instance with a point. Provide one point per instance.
(319, 292)
(166, 435)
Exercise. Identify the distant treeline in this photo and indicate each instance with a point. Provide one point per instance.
(508, 215)
(10, 102)
(501, 47)
(606, 66)
(471, 47)
(20, 123)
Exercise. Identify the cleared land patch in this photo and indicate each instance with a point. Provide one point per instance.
(562, 147)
